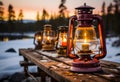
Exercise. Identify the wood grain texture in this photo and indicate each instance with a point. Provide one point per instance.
(58, 68)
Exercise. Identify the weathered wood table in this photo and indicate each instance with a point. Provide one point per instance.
(58, 68)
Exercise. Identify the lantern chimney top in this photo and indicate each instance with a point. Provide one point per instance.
(84, 7)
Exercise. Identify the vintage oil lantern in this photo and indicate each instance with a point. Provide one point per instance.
(48, 41)
(61, 45)
(82, 42)
(38, 40)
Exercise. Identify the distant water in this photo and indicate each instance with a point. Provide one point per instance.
(14, 36)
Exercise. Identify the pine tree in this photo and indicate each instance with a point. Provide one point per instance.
(11, 13)
(109, 8)
(45, 14)
(103, 8)
(11, 19)
(117, 4)
(1, 12)
(20, 16)
(38, 17)
(62, 8)
(109, 19)
(117, 17)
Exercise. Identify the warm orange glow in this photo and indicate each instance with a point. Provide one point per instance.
(85, 45)
(64, 42)
(48, 38)
(85, 36)
(85, 41)
(6, 39)
(30, 7)
(27, 14)
(39, 37)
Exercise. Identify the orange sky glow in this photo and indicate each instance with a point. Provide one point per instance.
(31, 7)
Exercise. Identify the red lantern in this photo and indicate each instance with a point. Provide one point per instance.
(83, 43)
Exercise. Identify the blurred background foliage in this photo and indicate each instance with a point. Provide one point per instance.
(110, 14)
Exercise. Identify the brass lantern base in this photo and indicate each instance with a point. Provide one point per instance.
(86, 66)
(48, 47)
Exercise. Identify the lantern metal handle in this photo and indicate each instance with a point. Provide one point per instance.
(34, 41)
(102, 38)
(70, 37)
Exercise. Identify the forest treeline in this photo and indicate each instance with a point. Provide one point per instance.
(110, 14)
(17, 24)
(111, 17)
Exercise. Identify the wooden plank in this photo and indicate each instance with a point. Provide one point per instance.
(42, 65)
(50, 57)
(60, 71)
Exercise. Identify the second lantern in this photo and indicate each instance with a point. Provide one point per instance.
(48, 40)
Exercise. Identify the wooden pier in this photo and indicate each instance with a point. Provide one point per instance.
(58, 68)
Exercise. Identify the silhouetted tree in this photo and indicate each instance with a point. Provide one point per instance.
(11, 13)
(103, 9)
(20, 16)
(1, 12)
(45, 14)
(38, 17)
(117, 17)
(11, 19)
(117, 4)
(52, 17)
(61, 19)
(109, 8)
(62, 8)
(109, 19)
(104, 16)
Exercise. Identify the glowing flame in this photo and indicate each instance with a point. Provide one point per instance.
(48, 38)
(39, 37)
(64, 40)
(85, 41)
(85, 34)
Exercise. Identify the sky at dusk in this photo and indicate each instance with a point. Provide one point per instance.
(30, 7)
